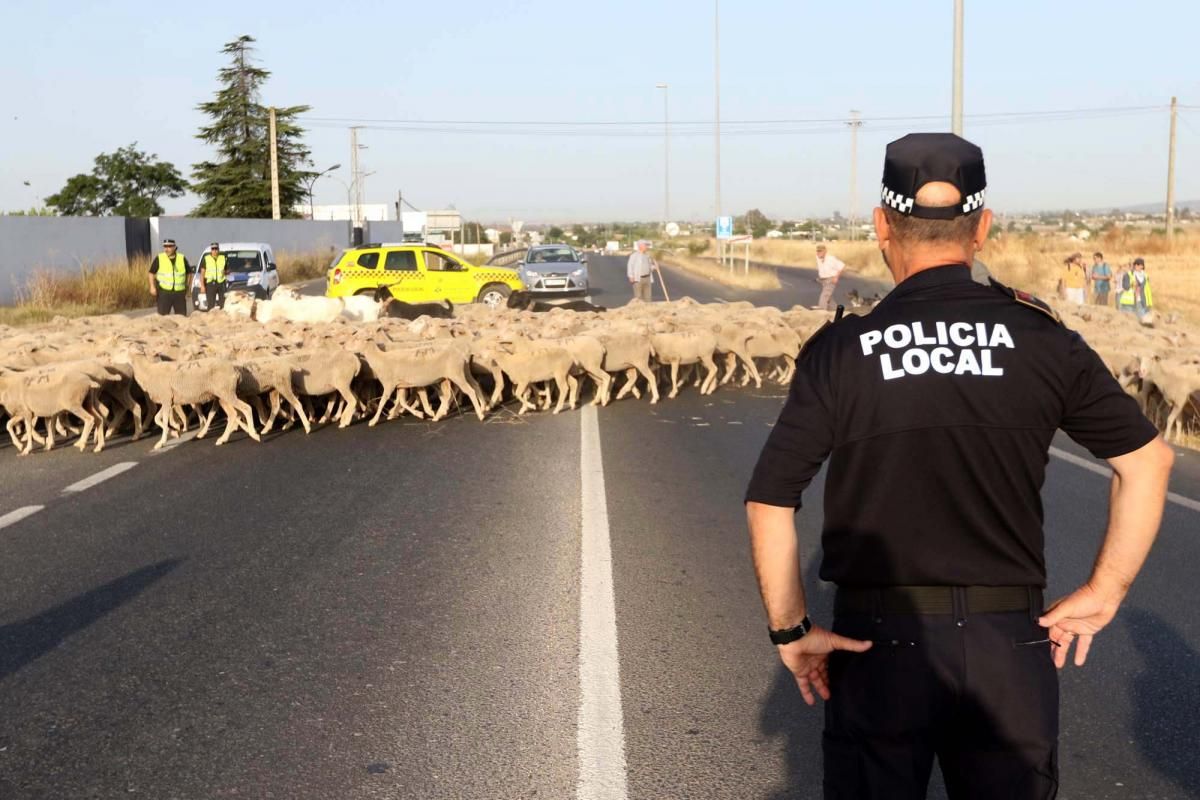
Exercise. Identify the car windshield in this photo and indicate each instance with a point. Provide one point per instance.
(552, 255)
(242, 261)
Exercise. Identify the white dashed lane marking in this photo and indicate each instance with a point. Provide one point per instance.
(100, 477)
(1101, 469)
(13, 517)
(601, 734)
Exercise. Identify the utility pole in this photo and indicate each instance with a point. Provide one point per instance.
(274, 169)
(855, 123)
(956, 111)
(355, 178)
(666, 155)
(1171, 179)
(717, 95)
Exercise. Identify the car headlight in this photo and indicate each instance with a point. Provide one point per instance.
(579, 272)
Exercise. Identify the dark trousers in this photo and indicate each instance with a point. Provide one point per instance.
(977, 691)
(172, 302)
(214, 294)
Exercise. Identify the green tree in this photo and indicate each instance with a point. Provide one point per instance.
(33, 211)
(239, 183)
(127, 183)
(756, 223)
(555, 234)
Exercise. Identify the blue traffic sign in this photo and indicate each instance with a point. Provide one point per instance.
(724, 227)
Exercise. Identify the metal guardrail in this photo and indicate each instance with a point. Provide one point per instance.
(507, 258)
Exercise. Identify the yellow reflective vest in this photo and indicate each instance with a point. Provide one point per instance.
(214, 268)
(172, 277)
(1128, 295)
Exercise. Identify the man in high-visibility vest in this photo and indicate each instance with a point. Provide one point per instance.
(1135, 296)
(169, 272)
(212, 277)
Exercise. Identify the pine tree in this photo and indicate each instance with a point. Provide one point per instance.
(239, 184)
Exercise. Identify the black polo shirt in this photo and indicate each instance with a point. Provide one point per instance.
(936, 411)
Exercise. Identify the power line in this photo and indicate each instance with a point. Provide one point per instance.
(344, 121)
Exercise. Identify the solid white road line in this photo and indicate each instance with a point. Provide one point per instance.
(601, 735)
(1101, 469)
(100, 477)
(13, 517)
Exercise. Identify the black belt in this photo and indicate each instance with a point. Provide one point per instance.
(937, 599)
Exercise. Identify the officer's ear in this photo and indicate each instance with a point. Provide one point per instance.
(883, 231)
(985, 225)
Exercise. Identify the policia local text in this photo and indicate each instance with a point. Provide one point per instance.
(977, 340)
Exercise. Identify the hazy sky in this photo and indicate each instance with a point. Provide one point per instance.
(80, 78)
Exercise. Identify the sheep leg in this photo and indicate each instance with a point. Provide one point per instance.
(163, 419)
(447, 392)
(387, 392)
(563, 381)
(710, 379)
(730, 366)
(674, 380)
(206, 422)
(498, 387)
(99, 413)
(519, 391)
(231, 421)
(789, 372)
(475, 395)
(248, 417)
(11, 427)
(290, 395)
(351, 405)
(468, 386)
(269, 421)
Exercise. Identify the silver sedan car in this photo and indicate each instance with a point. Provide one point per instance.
(554, 268)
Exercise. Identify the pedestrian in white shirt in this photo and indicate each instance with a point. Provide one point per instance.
(639, 271)
(829, 268)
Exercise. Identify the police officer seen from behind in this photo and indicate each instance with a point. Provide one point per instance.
(169, 273)
(936, 412)
(212, 277)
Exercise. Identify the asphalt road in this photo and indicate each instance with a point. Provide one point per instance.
(396, 613)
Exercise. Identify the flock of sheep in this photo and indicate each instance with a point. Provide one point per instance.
(298, 360)
(312, 360)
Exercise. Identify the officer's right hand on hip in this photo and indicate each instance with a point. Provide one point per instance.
(1077, 618)
(808, 659)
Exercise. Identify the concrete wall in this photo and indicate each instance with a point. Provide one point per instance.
(193, 234)
(385, 231)
(62, 243)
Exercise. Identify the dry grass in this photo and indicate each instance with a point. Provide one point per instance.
(755, 278)
(118, 286)
(1033, 262)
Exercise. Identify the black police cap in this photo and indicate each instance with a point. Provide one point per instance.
(921, 158)
(168, 242)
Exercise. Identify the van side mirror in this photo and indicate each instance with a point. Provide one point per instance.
(271, 266)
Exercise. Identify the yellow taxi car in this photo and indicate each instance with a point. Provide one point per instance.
(419, 273)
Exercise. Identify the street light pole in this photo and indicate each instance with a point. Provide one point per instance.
(312, 182)
(717, 96)
(956, 111)
(666, 154)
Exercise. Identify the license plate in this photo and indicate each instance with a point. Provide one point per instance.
(555, 284)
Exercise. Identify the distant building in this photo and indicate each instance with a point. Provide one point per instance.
(374, 212)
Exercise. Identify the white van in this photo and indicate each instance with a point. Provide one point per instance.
(249, 267)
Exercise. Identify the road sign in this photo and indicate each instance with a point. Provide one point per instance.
(724, 227)
(672, 229)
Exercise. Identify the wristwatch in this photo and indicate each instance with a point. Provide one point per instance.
(789, 635)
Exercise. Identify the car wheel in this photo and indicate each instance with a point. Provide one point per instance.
(494, 295)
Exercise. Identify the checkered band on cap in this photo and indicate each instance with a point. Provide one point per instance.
(896, 200)
(972, 202)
